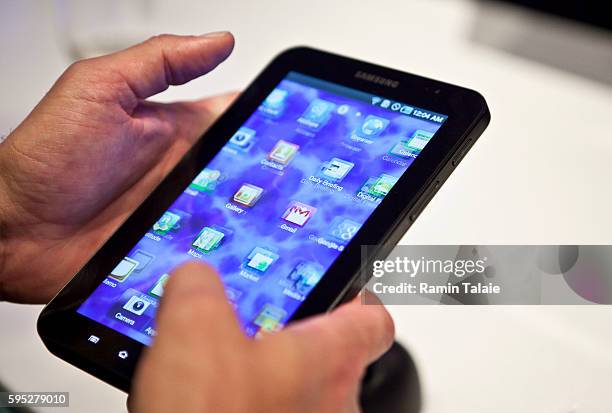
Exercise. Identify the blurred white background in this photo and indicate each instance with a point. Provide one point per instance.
(539, 175)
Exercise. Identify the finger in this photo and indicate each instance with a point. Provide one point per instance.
(195, 308)
(194, 117)
(353, 332)
(150, 67)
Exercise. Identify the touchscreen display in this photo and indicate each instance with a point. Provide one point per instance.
(275, 207)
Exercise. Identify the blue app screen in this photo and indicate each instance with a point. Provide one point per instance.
(275, 207)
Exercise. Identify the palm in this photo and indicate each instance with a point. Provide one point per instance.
(99, 151)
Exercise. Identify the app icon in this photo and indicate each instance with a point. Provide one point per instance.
(208, 240)
(406, 110)
(283, 152)
(379, 187)
(298, 213)
(243, 139)
(396, 106)
(269, 318)
(260, 259)
(248, 195)
(305, 276)
(343, 229)
(124, 269)
(372, 126)
(274, 104)
(317, 114)
(413, 146)
(233, 294)
(136, 305)
(158, 287)
(143, 259)
(166, 223)
(385, 103)
(343, 109)
(206, 181)
(336, 169)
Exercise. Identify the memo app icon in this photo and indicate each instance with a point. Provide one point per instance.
(243, 140)
(298, 213)
(372, 127)
(206, 181)
(317, 114)
(124, 269)
(336, 169)
(274, 105)
(208, 240)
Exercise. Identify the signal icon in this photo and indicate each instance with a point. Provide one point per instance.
(375, 100)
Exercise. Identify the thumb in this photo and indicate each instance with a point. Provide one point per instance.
(195, 312)
(164, 60)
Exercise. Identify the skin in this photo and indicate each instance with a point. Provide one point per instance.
(80, 163)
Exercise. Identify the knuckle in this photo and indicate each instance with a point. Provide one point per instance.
(159, 39)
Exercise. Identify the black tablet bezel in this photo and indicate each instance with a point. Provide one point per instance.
(66, 333)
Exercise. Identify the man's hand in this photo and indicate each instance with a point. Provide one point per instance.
(91, 151)
(201, 361)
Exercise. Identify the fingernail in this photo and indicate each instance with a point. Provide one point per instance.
(215, 34)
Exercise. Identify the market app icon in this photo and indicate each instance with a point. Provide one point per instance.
(260, 259)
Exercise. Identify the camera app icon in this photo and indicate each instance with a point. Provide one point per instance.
(136, 305)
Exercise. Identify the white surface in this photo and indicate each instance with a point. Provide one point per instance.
(538, 175)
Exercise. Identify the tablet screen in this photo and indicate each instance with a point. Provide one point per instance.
(275, 207)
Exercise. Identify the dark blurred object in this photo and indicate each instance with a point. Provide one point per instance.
(391, 384)
(593, 12)
(575, 47)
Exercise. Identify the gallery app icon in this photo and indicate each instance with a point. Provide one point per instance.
(283, 152)
(336, 169)
(298, 213)
(274, 104)
(206, 181)
(343, 229)
(243, 139)
(380, 186)
(157, 290)
(317, 114)
(372, 127)
(248, 195)
(208, 240)
(166, 223)
(124, 269)
(260, 259)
